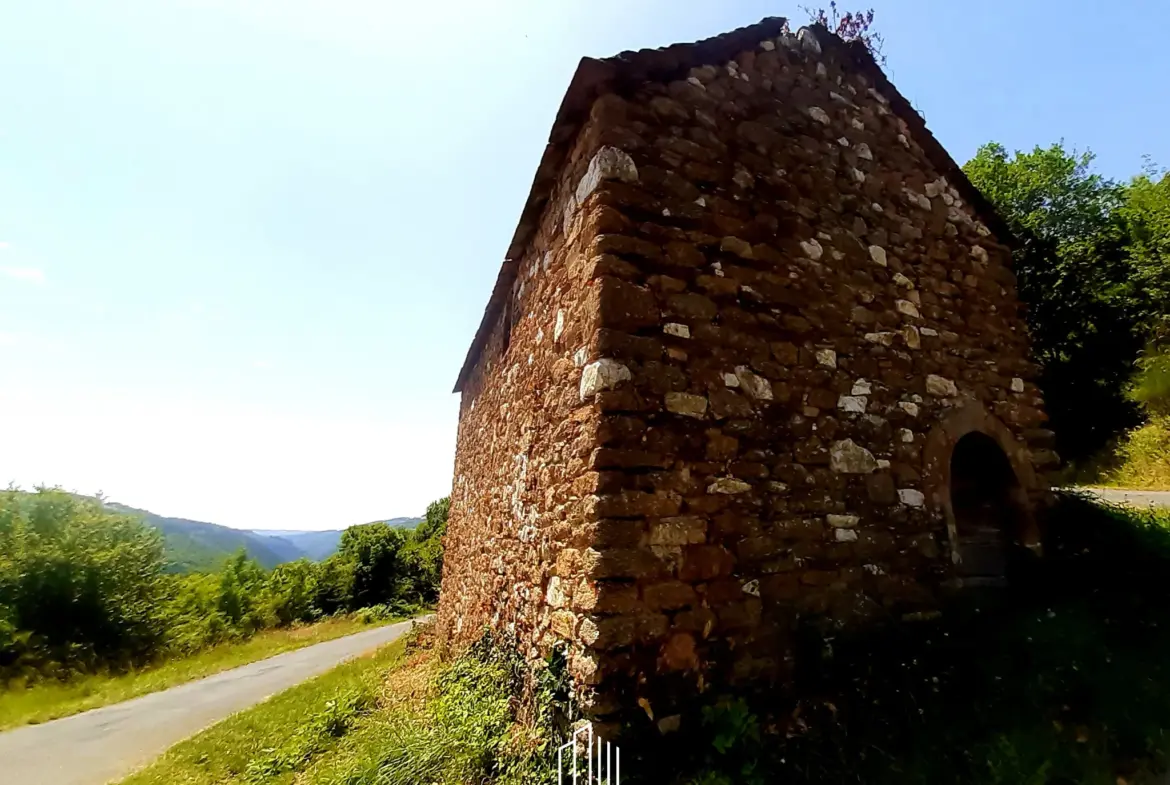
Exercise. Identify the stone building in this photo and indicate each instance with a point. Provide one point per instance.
(754, 359)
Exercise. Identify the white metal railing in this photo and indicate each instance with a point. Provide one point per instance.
(602, 764)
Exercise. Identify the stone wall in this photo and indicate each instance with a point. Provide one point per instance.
(755, 317)
(525, 439)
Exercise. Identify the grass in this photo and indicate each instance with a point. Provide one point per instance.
(1140, 461)
(278, 739)
(1064, 678)
(49, 700)
(1144, 458)
(397, 717)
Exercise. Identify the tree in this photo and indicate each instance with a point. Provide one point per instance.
(333, 590)
(1075, 275)
(850, 26)
(1146, 214)
(423, 554)
(292, 588)
(241, 584)
(434, 523)
(373, 550)
(79, 586)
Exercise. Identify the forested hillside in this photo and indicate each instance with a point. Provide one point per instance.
(319, 545)
(199, 546)
(84, 587)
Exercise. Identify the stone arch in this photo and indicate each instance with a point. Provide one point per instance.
(972, 448)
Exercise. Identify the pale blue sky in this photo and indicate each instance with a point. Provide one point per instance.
(246, 244)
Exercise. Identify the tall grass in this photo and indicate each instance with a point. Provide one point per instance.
(1144, 458)
(275, 740)
(1140, 459)
(460, 725)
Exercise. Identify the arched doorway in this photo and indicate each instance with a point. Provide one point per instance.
(988, 506)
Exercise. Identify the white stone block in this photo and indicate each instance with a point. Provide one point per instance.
(846, 457)
(911, 497)
(812, 249)
(603, 374)
(808, 41)
(755, 386)
(728, 486)
(940, 387)
(609, 163)
(842, 521)
(819, 114)
(686, 404)
(854, 404)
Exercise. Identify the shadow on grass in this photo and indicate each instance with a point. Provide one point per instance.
(1063, 678)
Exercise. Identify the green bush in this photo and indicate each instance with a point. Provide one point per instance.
(79, 586)
(471, 730)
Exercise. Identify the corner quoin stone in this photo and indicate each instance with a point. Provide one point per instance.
(609, 163)
(603, 374)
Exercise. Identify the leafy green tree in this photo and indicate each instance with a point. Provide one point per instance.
(1151, 385)
(374, 550)
(241, 584)
(333, 591)
(79, 586)
(192, 616)
(292, 588)
(1075, 275)
(1145, 213)
(423, 554)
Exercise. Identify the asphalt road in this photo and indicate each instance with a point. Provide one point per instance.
(1134, 498)
(107, 744)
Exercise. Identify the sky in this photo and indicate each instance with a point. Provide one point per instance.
(244, 246)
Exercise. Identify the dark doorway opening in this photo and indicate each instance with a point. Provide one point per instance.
(985, 500)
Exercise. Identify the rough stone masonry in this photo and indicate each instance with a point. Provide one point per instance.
(751, 308)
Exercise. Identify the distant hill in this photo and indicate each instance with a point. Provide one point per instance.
(193, 546)
(404, 523)
(198, 545)
(315, 545)
(323, 544)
